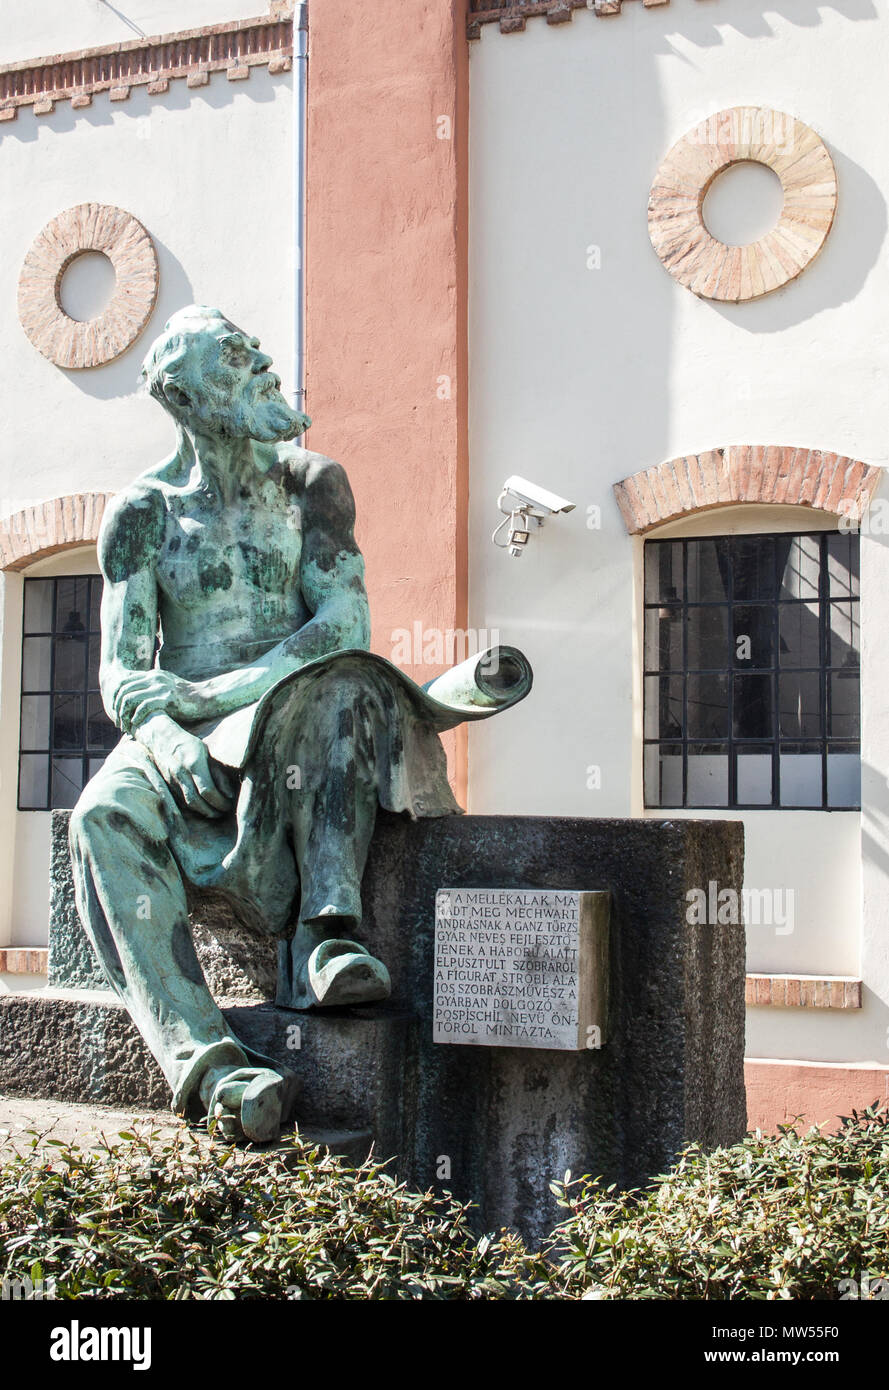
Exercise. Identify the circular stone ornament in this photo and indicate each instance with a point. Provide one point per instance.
(116, 234)
(734, 274)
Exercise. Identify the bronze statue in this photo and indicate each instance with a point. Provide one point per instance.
(259, 733)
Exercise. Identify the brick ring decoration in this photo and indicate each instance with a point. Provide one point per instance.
(733, 274)
(88, 227)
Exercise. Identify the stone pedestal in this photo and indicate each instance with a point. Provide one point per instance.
(500, 1122)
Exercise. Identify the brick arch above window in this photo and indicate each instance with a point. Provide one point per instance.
(769, 474)
(48, 527)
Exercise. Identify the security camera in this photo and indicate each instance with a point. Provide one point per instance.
(522, 502)
(533, 497)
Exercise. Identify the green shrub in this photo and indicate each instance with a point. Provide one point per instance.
(784, 1216)
(154, 1220)
(775, 1217)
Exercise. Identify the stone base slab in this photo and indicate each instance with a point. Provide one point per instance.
(80, 1045)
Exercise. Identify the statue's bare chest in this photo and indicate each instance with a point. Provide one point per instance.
(246, 552)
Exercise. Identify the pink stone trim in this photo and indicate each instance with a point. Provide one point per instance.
(48, 527)
(735, 274)
(88, 227)
(783, 1091)
(804, 991)
(23, 960)
(152, 62)
(746, 473)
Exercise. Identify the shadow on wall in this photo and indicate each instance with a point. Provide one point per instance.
(130, 24)
(854, 243)
(755, 25)
(838, 273)
(218, 94)
(752, 25)
(574, 374)
(874, 820)
(120, 377)
(875, 869)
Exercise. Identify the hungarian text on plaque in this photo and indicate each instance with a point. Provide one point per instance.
(521, 967)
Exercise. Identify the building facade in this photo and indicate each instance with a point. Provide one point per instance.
(634, 253)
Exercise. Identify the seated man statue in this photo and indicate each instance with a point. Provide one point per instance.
(259, 733)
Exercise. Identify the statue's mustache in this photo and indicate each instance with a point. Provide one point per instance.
(267, 382)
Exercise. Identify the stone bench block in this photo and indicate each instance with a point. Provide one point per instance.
(493, 1124)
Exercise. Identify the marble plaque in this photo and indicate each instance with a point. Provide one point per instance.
(517, 967)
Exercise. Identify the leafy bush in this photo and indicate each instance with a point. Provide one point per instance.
(146, 1219)
(775, 1217)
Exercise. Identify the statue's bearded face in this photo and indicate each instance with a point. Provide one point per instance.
(225, 388)
(242, 396)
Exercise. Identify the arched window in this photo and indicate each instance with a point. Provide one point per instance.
(751, 641)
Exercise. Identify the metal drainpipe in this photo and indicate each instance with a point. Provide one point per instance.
(300, 81)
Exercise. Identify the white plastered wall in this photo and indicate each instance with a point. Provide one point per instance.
(63, 26)
(580, 376)
(208, 171)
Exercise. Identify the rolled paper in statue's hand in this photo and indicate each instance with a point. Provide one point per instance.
(492, 680)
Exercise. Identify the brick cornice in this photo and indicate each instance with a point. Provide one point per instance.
(23, 960)
(803, 991)
(512, 17)
(233, 47)
(48, 527)
(774, 475)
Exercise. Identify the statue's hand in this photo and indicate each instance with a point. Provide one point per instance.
(186, 766)
(144, 693)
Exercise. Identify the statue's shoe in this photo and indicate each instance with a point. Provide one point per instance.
(251, 1103)
(340, 972)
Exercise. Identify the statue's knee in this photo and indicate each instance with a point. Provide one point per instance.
(99, 817)
(86, 823)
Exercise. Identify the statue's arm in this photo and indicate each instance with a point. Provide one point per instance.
(130, 538)
(332, 568)
(128, 541)
(332, 585)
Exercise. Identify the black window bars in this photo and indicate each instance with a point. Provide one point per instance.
(64, 732)
(752, 672)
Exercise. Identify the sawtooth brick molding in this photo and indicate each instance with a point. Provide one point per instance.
(803, 991)
(512, 16)
(88, 227)
(116, 68)
(735, 274)
(48, 527)
(772, 474)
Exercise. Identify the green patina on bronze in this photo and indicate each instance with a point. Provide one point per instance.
(260, 735)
